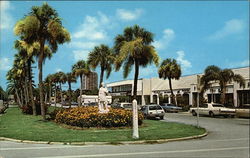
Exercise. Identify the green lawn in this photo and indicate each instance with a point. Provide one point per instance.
(13, 124)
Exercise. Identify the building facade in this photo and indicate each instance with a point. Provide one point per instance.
(154, 89)
(90, 82)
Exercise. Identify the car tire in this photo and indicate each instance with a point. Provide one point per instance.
(211, 114)
(162, 117)
(194, 113)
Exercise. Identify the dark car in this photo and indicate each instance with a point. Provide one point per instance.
(170, 107)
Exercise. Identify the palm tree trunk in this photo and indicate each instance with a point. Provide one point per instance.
(61, 94)
(45, 98)
(18, 98)
(223, 95)
(21, 98)
(50, 92)
(101, 76)
(40, 67)
(31, 89)
(69, 94)
(80, 98)
(135, 79)
(26, 98)
(170, 86)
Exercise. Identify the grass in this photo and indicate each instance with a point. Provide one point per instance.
(13, 124)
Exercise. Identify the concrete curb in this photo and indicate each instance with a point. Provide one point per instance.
(106, 143)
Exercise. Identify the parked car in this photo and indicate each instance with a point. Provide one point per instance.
(213, 109)
(170, 107)
(123, 105)
(153, 111)
(243, 111)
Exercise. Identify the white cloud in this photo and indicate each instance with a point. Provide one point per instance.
(93, 28)
(128, 15)
(231, 27)
(181, 60)
(83, 45)
(163, 42)
(6, 19)
(5, 64)
(80, 54)
(58, 70)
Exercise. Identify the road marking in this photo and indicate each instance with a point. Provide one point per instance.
(46, 147)
(225, 140)
(146, 153)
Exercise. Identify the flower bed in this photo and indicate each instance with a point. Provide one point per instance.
(89, 117)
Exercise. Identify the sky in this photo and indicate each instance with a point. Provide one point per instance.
(195, 33)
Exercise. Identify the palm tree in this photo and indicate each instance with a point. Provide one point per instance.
(133, 47)
(169, 69)
(79, 69)
(14, 85)
(223, 77)
(27, 52)
(42, 25)
(103, 56)
(70, 78)
(49, 81)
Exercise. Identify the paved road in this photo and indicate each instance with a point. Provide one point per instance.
(228, 137)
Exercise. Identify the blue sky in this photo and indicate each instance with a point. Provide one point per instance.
(196, 34)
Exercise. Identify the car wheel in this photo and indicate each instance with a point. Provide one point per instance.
(162, 117)
(194, 113)
(211, 114)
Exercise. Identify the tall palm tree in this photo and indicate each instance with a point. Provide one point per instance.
(27, 51)
(104, 57)
(169, 69)
(133, 48)
(70, 78)
(79, 69)
(42, 25)
(223, 77)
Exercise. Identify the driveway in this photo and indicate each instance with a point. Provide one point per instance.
(228, 137)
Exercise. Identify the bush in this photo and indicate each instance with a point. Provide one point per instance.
(27, 109)
(89, 117)
(52, 114)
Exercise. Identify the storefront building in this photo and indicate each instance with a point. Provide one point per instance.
(154, 90)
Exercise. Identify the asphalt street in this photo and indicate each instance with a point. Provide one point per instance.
(227, 138)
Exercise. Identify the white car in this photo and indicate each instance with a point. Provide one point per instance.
(213, 109)
(153, 110)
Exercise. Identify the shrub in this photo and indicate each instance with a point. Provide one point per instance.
(89, 117)
(53, 113)
(27, 109)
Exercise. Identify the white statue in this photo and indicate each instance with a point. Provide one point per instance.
(102, 99)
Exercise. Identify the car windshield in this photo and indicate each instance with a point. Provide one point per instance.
(218, 105)
(155, 108)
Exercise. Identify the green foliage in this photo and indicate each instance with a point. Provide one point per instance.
(27, 127)
(169, 69)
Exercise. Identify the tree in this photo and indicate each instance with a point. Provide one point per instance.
(101, 56)
(42, 25)
(61, 78)
(79, 69)
(133, 48)
(169, 69)
(27, 51)
(222, 76)
(70, 78)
